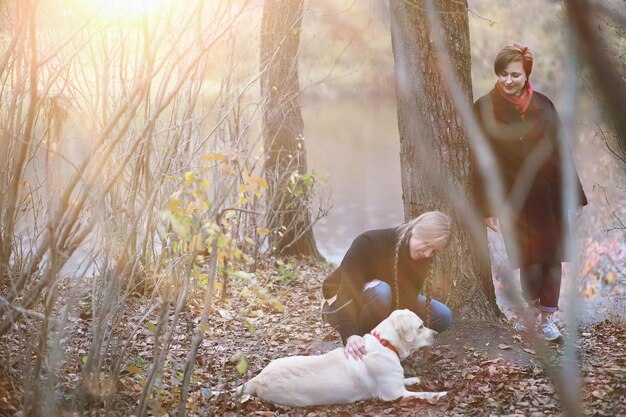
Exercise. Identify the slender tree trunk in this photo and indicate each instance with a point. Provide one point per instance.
(434, 150)
(289, 219)
(609, 73)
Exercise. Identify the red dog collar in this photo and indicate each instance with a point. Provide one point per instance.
(386, 344)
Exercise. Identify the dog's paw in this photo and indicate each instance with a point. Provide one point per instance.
(412, 381)
(433, 397)
(439, 395)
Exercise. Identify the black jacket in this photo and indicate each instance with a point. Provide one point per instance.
(371, 256)
(529, 158)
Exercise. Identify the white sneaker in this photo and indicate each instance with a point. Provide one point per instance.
(549, 331)
(528, 316)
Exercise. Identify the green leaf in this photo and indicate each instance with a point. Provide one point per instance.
(84, 360)
(242, 366)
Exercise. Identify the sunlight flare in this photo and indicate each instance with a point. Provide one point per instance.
(125, 8)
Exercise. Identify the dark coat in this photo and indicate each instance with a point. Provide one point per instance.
(371, 256)
(529, 158)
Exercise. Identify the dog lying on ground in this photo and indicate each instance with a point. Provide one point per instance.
(334, 379)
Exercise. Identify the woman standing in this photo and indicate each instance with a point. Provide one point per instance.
(384, 270)
(522, 128)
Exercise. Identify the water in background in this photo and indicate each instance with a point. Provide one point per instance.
(355, 142)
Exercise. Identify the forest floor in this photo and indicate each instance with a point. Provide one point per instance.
(487, 368)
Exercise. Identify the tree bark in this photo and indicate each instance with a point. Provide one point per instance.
(289, 219)
(434, 149)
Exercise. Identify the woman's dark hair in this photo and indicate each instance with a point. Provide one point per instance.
(514, 53)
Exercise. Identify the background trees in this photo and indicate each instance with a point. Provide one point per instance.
(134, 186)
(598, 28)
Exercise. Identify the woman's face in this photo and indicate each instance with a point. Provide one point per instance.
(419, 249)
(513, 78)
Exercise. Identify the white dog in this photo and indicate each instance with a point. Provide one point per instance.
(334, 379)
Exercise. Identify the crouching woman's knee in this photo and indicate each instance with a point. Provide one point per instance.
(441, 316)
(377, 293)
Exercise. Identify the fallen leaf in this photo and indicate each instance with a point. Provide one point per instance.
(597, 394)
(225, 313)
(133, 369)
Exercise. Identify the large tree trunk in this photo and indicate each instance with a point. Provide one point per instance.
(434, 150)
(289, 219)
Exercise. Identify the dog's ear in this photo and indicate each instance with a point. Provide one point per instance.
(406, 327)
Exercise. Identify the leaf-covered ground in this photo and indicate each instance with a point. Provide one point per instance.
(487, 368)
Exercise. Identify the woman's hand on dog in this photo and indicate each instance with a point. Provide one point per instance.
(492, 223)
(354, 347)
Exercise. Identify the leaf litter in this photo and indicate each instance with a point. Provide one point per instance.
(486, 368)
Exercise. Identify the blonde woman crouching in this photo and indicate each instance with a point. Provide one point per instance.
(384, 270)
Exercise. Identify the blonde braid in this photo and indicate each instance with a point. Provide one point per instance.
(429, 292)
(395, 273)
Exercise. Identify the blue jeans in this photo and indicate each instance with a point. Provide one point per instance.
(377, 303)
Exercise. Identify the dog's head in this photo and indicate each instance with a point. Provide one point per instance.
(406, 331)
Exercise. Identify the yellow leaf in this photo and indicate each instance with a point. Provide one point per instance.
(204, 185)
(196, 242)
(133, 369)
(137, 387)
(258, 181)
(199, 195)
(175, 206)
(262, 231)
(610, 277)
(243, 188)
(277, 305)
(204, 327)
(216, 156)
(227, 168)
(189, 177)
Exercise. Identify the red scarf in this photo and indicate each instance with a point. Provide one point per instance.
(520, 102)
